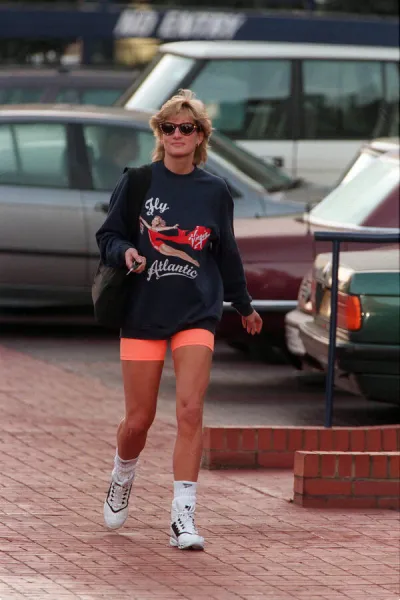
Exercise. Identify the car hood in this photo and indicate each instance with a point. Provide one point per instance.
(279, 240)
(275, 227)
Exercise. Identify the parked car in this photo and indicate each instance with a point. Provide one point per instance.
(64, 85)
(368, 322)
(278, 252)
(306, 107)
(303, 312)
(58, 166)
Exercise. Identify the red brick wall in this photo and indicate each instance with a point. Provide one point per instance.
(274, 447)
(347, 479)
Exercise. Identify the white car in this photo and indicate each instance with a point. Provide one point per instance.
(305, 107)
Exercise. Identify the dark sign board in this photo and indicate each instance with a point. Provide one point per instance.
(177, 24)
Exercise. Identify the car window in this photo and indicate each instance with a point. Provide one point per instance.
(99, 97)
(342, 99)
(247, 99)
(16, 95)
(266, 174)
(160, 83)
(34, 154)
(111, 148)
(354, 202)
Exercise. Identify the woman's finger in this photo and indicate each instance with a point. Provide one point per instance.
(142, 265)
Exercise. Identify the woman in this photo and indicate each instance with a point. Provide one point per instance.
(178, 298)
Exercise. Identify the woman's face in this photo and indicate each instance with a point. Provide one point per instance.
(178, 145)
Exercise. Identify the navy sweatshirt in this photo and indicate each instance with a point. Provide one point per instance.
(193, 262)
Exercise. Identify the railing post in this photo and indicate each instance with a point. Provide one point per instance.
(332, 336)
(336, 238)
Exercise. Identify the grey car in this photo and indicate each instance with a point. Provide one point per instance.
(58, 166)
(74, 85)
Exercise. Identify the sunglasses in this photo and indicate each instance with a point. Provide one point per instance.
(184, 128)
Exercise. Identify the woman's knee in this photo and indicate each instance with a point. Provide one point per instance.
(137, 425)
(190, 413)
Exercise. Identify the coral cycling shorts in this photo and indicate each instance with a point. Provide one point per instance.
(135, 349)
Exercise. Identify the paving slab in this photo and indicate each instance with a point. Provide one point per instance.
(57, 437)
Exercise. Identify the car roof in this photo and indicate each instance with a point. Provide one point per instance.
(74, 111)
(246, 50)
(65, 73)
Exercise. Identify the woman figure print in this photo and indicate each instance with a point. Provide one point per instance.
(158, 239)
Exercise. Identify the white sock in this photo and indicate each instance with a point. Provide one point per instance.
(124, 470)
(185, 488)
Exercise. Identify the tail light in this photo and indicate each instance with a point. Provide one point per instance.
(349, 314)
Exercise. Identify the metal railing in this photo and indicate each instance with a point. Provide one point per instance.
(337, 238)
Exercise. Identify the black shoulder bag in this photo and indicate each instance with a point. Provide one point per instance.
(110, 285)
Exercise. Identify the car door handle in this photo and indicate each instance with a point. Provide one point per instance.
(101, 207)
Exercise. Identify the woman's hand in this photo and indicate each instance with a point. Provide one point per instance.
(132, 256)
(253, 323)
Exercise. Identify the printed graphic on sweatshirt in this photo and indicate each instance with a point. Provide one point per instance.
(153, 204)
(161, 241)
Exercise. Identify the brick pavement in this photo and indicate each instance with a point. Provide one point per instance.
(57, 441)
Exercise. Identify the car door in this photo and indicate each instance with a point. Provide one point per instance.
(109, 148)
(42, 240)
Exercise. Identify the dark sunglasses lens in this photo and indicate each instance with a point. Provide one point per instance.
(167, 128)
(186, 128)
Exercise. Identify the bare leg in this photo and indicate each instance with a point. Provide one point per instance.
(141, 384)
(168, 251)
(192, 369)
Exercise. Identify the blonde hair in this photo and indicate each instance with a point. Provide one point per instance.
(184, 100)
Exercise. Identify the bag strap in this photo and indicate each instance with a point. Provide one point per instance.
(139, 181)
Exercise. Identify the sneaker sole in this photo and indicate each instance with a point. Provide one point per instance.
(175, 544)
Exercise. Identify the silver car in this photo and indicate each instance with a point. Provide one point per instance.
(58, 165)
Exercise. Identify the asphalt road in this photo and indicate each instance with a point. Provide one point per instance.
(242, 391)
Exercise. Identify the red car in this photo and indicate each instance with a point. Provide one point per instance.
(277, 252)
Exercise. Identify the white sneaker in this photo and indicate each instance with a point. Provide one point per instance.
(116, 504)
(184, 534)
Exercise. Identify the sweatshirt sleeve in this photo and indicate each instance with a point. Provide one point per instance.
(229, 261)
(113, 236)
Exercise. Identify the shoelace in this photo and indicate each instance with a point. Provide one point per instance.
(185, 519)
(119, 495)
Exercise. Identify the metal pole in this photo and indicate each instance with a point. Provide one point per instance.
(332, 336)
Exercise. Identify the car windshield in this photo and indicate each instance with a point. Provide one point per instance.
(362, 160)
(215, 159)
(354, 202)
(266, 174)
(160, 83)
